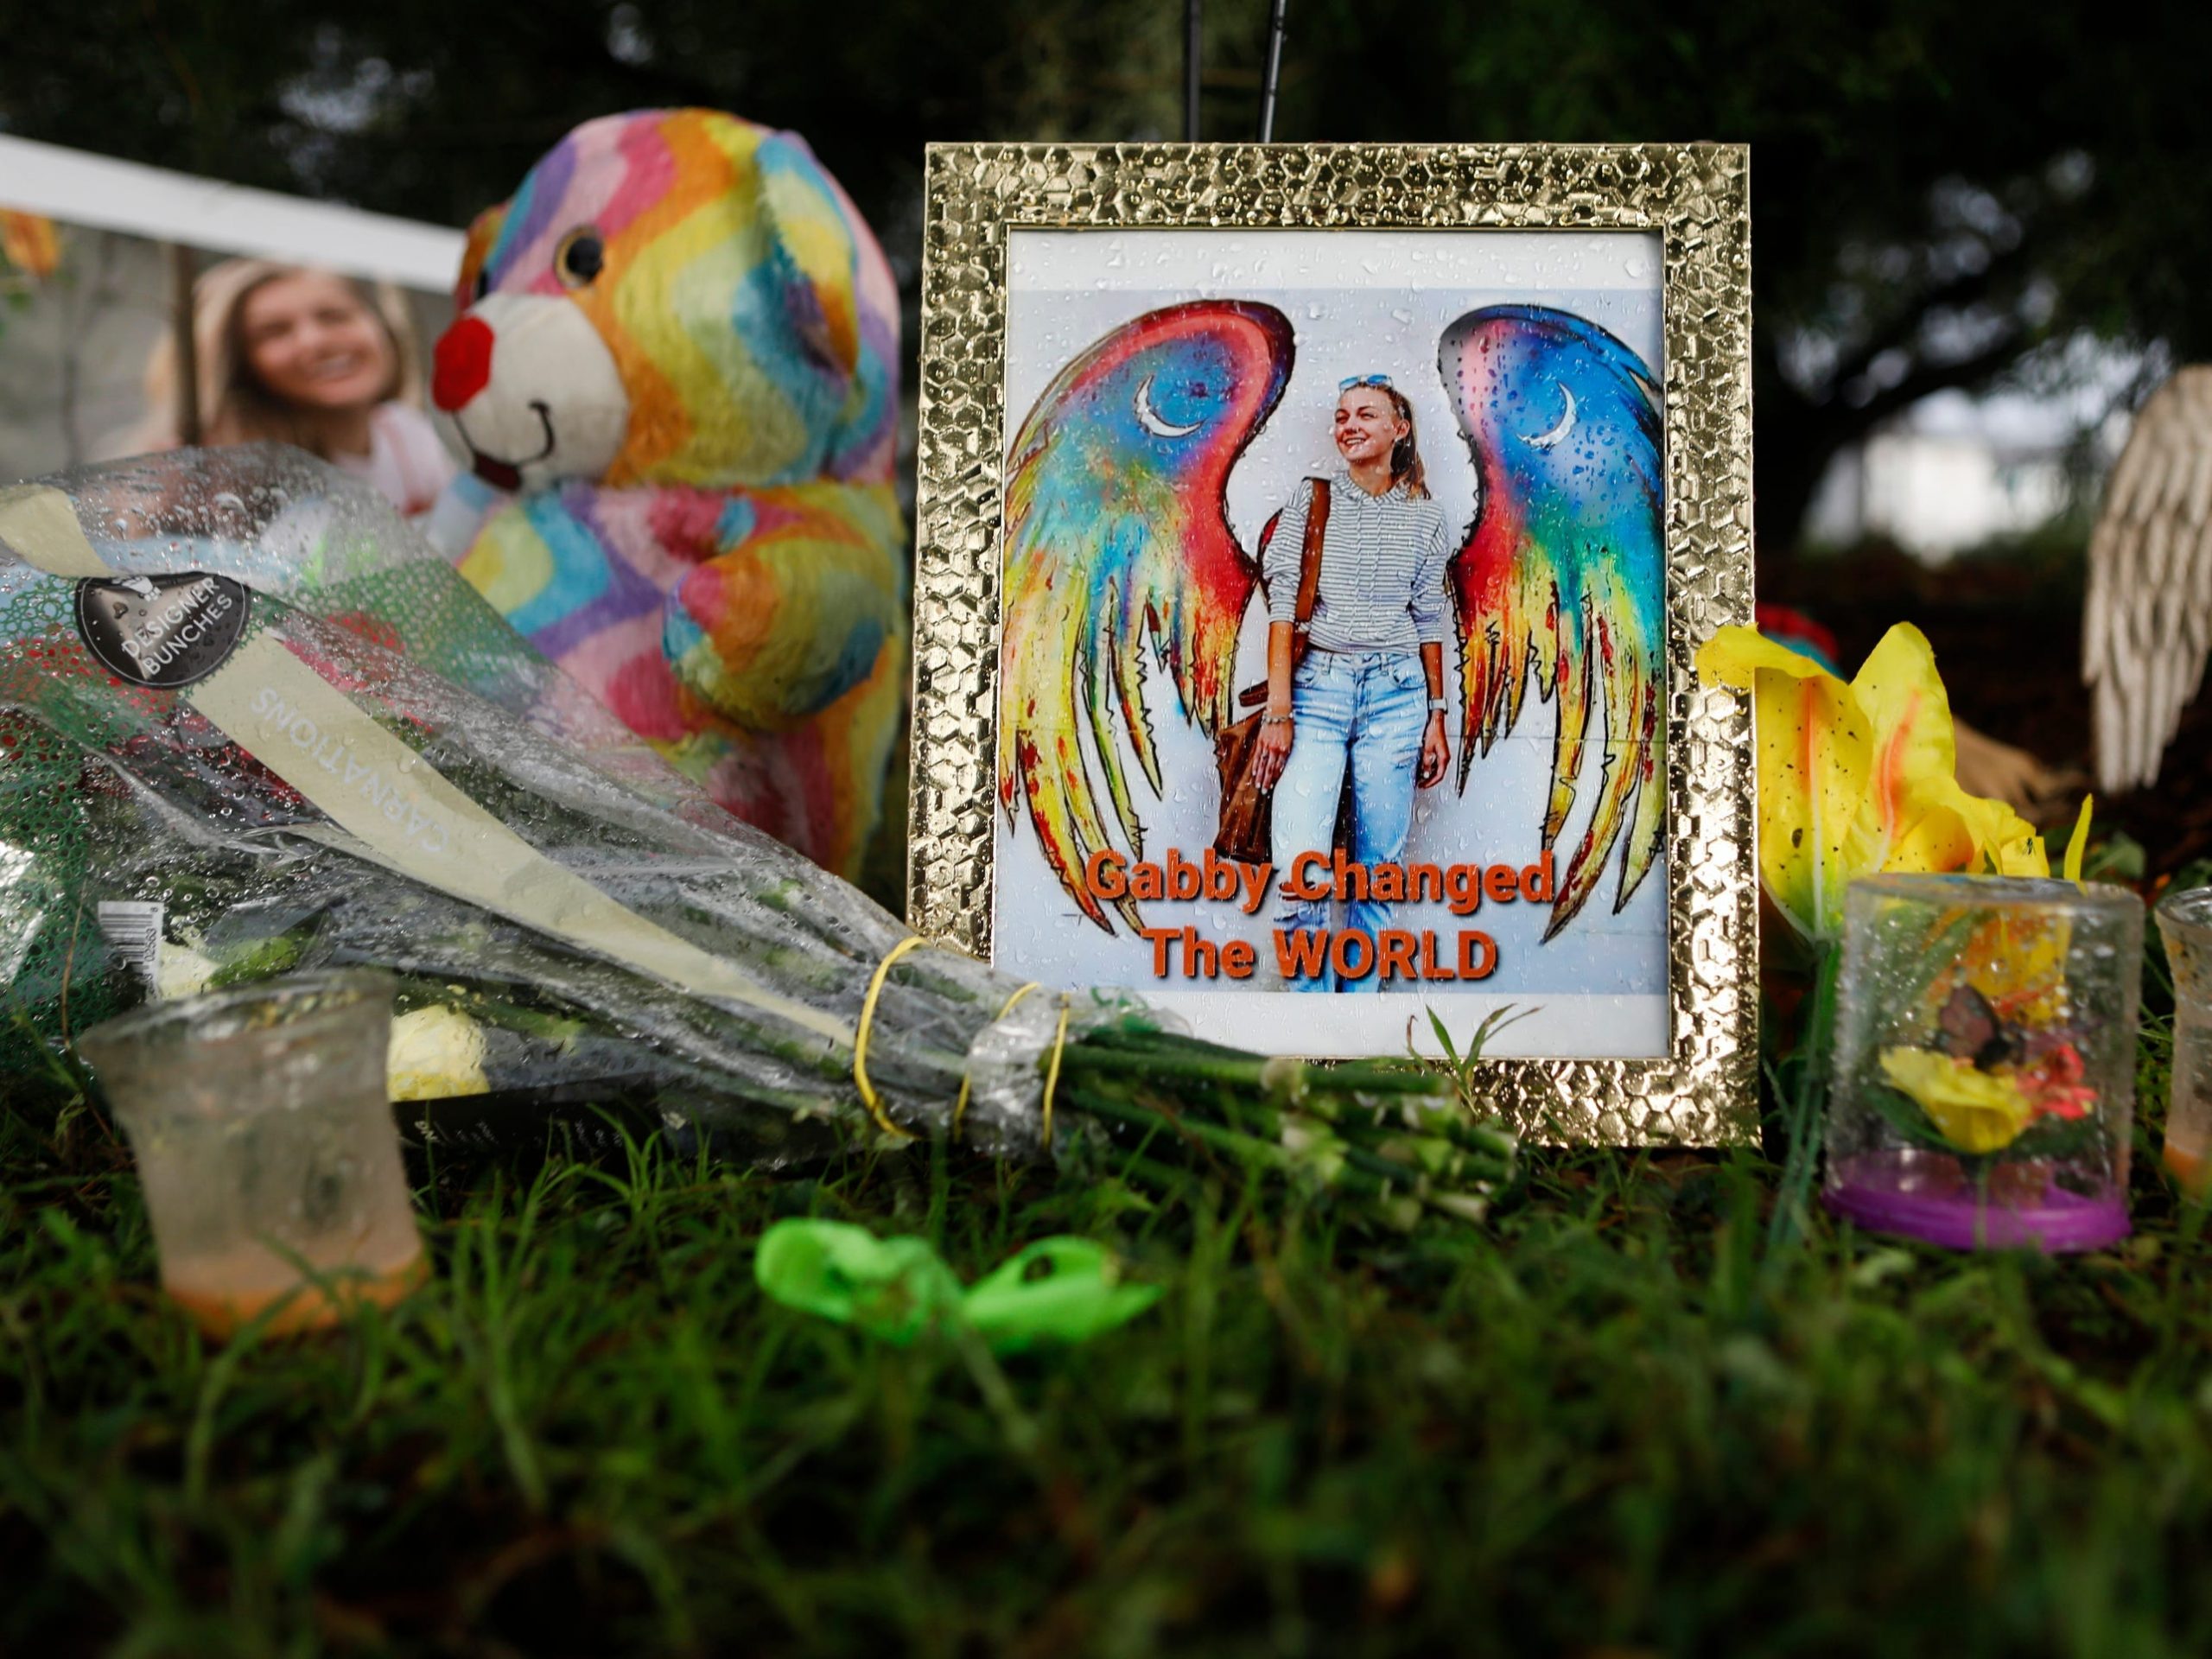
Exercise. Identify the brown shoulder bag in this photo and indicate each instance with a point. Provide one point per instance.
(1247, 828)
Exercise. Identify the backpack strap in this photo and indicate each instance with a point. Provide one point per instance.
(1309, 583)
(1309, 568)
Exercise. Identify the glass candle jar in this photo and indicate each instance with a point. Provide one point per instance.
(268, 1151)
(2186, 923)
(1983, 1086)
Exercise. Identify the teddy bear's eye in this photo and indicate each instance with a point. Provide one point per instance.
(580, 257)
(481, 286)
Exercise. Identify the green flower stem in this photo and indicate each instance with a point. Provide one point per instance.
(1439, 1160)
(1244, 1149)
(1442, 1122)
(1240, 1066)
(1313, 1155)
(1157, 1055)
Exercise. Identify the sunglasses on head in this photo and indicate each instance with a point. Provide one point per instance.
(1347, 384)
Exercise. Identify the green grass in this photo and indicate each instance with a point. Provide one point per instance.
(1604, 1423)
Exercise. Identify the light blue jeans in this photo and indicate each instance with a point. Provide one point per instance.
(1366, 709)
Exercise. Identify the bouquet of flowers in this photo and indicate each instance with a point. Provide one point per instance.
(249, 724)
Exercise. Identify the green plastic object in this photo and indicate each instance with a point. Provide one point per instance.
(892, 1288)
(1061, 1289)
(1057, 1290)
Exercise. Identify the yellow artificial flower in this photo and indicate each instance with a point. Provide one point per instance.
(1976, 1111)
(1857, 779)
(2019, 961)
(437, 1053)
(2077, 844)
(2010, 844)
(29, 242)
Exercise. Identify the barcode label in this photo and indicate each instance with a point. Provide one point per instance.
(133, 932)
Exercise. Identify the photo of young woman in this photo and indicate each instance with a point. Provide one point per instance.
(286, 354)
(1461, 753)
(1366, 697)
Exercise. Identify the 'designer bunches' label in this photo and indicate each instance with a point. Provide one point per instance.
(161, 630)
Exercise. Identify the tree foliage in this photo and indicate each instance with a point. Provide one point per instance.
(1943, 189)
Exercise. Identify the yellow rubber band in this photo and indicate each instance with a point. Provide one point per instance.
(1052, 1077)
(960, 1106)
(875, 1106)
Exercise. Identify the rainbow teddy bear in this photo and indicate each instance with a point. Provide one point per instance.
(676, 368)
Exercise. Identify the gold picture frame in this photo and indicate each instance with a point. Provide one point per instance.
(1695, 198)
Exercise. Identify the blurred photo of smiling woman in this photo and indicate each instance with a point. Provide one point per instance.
(291, 355)
(1367, 698)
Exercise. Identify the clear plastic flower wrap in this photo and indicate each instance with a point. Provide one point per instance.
(250, 724)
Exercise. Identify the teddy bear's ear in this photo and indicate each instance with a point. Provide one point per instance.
(483, 236)
(841, 299)
(811, 234)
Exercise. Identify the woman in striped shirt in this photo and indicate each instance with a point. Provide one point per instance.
(1368, 695)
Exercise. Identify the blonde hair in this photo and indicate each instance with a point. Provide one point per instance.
(1405, 454)
(234, 407)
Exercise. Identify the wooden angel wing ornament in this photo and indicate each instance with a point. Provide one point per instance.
(2148, 621)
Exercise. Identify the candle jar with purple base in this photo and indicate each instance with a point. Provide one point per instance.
(1984, 1080)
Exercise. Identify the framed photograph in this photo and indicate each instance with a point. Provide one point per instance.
(1313, 543)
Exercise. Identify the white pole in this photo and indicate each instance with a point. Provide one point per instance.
(104, 193)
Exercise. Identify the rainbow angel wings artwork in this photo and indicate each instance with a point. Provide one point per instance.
(1118, 546)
